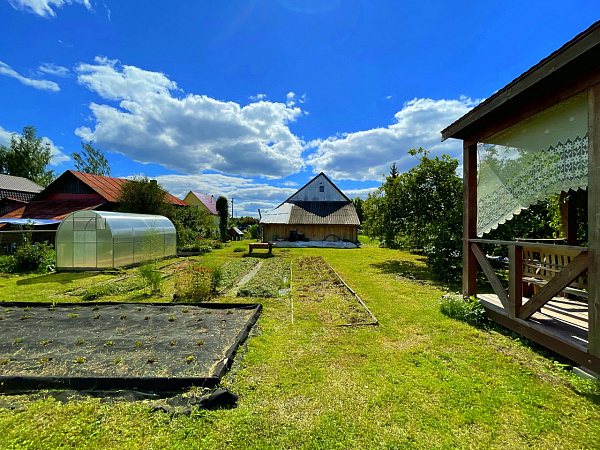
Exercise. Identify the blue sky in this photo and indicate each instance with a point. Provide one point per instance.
(250, 99)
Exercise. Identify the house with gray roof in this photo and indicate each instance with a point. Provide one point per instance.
(318, 211)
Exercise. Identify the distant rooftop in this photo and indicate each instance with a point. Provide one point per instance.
(10, 183)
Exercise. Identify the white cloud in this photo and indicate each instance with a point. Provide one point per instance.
(366, 155)
(257, 97)
(45, 8)
(362, 193)
(54, 69)
(188, 133)
(58, 157)
(248, 194)
(5, 69)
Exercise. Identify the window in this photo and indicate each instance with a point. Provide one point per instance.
(321, 188)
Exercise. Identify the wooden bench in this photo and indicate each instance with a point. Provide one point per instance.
(260, 245)
(541, 264)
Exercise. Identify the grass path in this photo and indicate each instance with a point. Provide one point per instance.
(419, 380)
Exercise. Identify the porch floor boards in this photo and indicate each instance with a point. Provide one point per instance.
(561, 318)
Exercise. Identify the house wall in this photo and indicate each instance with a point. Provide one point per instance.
(312, 232)
(312, 193)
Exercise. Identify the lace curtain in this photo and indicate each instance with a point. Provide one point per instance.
(530, 161)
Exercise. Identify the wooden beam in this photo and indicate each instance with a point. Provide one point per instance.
(515, 280)
(490, 274)
(594, 219)
(576, 267)
(568, 216)
(469, 217)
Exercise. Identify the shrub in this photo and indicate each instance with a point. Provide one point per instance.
(466, 310)
(151, 276)
(7, 264)
(39, 257)
(196, 283)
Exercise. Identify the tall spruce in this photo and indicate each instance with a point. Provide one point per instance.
(223, 210)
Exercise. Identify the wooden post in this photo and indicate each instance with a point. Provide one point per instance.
(469, 217)
(515, 280)
(594, 220)
(568, 217)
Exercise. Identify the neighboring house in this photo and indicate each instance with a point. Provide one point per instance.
(16, 191)
(74, 191)
(203, 201)
(318, 211)
(235, 234)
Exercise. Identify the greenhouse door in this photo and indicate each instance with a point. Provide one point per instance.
(84, 242)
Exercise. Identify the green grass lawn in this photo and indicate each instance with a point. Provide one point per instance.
(418, 380)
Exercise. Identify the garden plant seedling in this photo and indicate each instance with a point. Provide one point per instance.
(200, 343)
(80, 360)
(190, 359)
(24, 318)
(171, 318)
(97, 316)
(172, 343)
(151, 360)
(123, 317)
(79, 342)
(18, 341)
(4, 362)
(44, 342)
(72, 316)
(27, 308)
(138, 344)
(44, 360)
(117, 361)
(109, 343)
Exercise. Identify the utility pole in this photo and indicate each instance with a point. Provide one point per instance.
(232, 207)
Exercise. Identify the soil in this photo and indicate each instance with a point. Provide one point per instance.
(121, 340)
(315, 282)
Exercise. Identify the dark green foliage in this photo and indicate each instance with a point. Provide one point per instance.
(91, 160)
(420, 210)
(358, 205)
(152, 277)
(39, 257)
(27, 157)
(466, 310)
(190, 223)
(143, 196)
(254, 231)
(223, 210)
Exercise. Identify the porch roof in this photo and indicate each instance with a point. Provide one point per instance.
(564, 71)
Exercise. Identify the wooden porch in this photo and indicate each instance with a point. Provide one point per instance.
(541, 282)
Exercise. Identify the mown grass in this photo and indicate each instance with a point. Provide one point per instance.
(418, 380)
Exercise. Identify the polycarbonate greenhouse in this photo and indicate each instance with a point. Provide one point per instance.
(100, 239)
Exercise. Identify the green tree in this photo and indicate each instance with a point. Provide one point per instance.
(91, 160)
(420, 209)
(27, 157)
(358, 205)
(144, 196)
(223, 210)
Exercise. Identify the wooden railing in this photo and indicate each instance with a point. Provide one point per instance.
(554, 267)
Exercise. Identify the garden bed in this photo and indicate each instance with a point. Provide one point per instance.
(153, 346)
(320, 290)
(272, 277)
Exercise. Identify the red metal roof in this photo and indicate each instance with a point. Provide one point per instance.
(109, 187)
(55, 209)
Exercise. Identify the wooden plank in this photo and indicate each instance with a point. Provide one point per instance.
(594, 219)
(469, 217)
(515, 280)
(530, 244)
(558, 342)
(490, 274)
(577, 266)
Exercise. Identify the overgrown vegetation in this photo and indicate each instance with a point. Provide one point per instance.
(268, 281)
(234, 269)
(196, 283)
(38, 257)
(467, 310)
